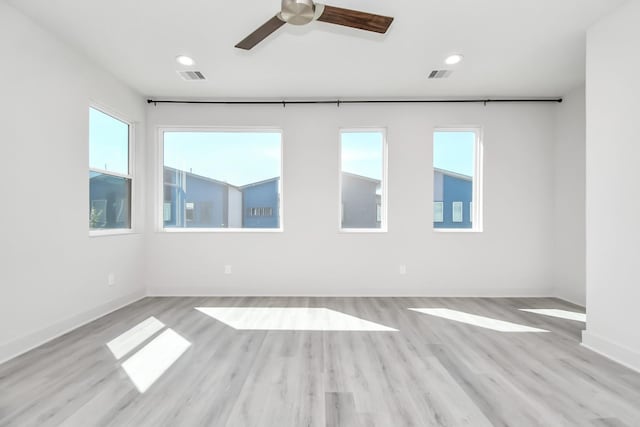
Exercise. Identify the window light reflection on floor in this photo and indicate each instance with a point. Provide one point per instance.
(554, 312)
(290, 319)
(153, 360)
(480, 321)
(135, 336)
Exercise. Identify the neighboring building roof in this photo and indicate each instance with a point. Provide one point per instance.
(453, 174)
(103, 177)
(253, 184)
(365, 178)
(204, 178)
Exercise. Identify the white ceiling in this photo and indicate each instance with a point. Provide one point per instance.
(511, 47)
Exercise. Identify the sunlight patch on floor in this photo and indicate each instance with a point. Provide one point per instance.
(554, 312)
(153, 360)
(290, 319)
(127, 341)
(475, 320)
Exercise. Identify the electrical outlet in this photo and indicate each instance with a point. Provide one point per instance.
(111, 279)
(403, 269)
(227, 269)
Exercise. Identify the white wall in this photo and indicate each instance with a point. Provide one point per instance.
(52, 275)
(569, 203)
(613, 193)
(511, 257)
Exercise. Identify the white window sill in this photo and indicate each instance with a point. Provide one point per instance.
(220, 230)
(457, 230)
(362, 230)
(111, 232)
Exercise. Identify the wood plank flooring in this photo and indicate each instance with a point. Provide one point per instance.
(248, 367)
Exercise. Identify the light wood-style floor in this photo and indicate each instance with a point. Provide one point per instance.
(369, 362)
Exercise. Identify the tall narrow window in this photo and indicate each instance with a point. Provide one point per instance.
(110, 174)
(363, 180)
(221, 179)
(456, 164)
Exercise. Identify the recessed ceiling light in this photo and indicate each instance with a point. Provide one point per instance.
(185, 60)
(453, 59)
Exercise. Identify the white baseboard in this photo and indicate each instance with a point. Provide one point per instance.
(209, 294)
(571, 301)
(21, 345)
(616, 352)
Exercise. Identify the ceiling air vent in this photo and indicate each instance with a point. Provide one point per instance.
(440, 74)
(191, 75)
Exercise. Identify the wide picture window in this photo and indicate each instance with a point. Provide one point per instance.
(221, 180)
(110, 174)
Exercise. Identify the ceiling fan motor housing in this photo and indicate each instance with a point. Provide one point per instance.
(297, 12)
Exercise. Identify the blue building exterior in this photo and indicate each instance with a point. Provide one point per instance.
(192, 200)
(453, 195)
(109, 198)
(261, 203)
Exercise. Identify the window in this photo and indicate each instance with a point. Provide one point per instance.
(221, 179)
(456, 179)
(438, 211)
(457, 212)
(110, 174)
(260, 211)
(188, 211)
(363, 180)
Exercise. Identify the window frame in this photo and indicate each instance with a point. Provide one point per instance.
(159, 205)
(130, 175)
(384, 182)
(476, 213)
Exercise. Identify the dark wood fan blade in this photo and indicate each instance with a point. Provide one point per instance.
(356, 19)
(261, 33)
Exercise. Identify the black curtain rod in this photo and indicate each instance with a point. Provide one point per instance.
(357, 101)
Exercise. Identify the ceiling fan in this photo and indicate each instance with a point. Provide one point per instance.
(302, 12)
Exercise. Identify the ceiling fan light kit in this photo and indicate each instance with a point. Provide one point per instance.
(303, 12)
(297, 12)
